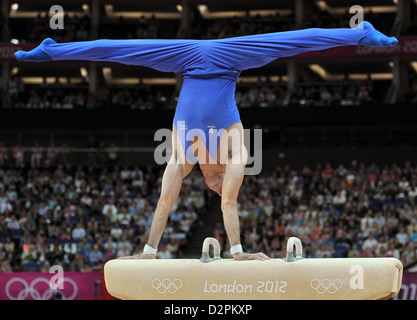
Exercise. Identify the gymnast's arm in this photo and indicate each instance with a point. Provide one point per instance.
(163, 55)
(241, 53)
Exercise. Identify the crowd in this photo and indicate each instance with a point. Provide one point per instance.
(255, 24)
(60, 96)
(142, 97)
(80, 217)
(343, 93)
(46, 96)
(77, 27)
(311, 93)
(354, 210)
(263, 94)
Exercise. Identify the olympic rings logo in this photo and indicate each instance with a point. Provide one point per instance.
(35, 293)
(166, 285)
(326, 285)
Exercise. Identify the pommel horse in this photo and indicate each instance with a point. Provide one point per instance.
(291, 278)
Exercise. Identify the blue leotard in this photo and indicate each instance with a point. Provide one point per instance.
(210, 68)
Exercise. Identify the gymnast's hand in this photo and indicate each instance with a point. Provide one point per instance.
(241, 256)
(142, 255)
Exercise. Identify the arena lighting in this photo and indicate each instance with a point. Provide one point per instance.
(318, 69)
(340, 10)
(179, 7)
(32, 80)
(256, 79)
(16, 13)
(204, 9)
(205, 13)
(41, 80)
(371, 76)
(110, 13)
(107, 74)
(323, 5)
(108, 77)
(158, 81)
(83, 72)
(145, 81)
(108, 8)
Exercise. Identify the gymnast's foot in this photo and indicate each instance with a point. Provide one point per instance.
(35, 55)
(374, 38)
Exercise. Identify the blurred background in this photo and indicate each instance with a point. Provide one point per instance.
(78, 179)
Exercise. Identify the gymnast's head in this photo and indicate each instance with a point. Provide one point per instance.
(213, 175)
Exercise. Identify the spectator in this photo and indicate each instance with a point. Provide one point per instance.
(370, 242)
(13, 224)
(367, 253)
(79, 264)
(29, 256)
(124, 244)
(95, 257)
(402, 236)
(18, 155)
(116, 232)
(36, 157)
(164, 253)
(4, 154)
(78, 232)
(70, 247)
(110, 210)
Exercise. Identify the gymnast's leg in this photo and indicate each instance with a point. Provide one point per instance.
(177, 169)
(172, 55)
(241, 53)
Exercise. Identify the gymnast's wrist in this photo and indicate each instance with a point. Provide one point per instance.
(149, 250)
(236, 249)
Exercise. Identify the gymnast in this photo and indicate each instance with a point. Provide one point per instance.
(210, 69)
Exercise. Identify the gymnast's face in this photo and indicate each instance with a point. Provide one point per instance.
(215, 184)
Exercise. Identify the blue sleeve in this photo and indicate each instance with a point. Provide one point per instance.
(163, 55)
(253, 51)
